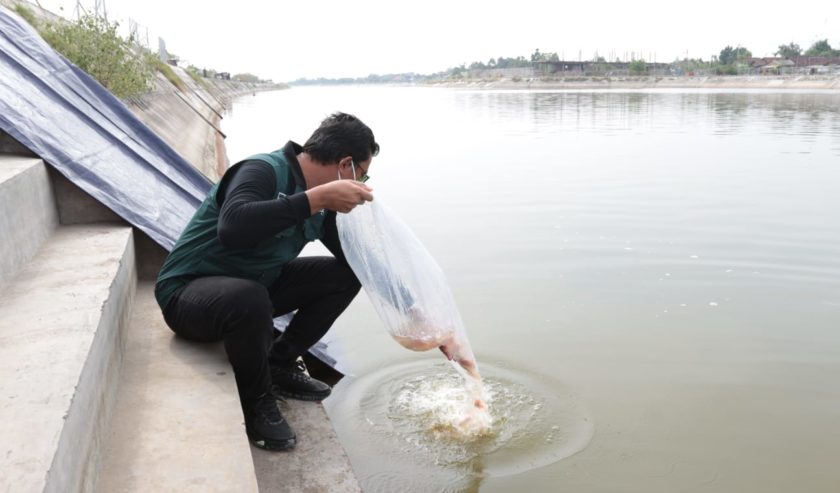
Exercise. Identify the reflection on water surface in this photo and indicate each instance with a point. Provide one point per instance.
(673, 258)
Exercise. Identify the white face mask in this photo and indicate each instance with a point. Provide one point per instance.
(353, 167)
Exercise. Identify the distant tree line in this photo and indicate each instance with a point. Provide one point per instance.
(729, 59)
(728, 62)
(819, 48)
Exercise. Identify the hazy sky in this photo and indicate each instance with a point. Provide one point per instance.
(287, 40)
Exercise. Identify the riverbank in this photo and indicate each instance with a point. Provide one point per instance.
(189, 118)
(802, 83)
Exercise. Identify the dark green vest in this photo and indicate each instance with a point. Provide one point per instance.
(198, 252)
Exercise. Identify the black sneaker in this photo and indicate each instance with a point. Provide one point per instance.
(293, 382)
(266, 427)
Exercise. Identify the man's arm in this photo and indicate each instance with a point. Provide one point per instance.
(251, 211)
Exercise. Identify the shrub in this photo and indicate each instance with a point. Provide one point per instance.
(726, 70)
(26, 14)
(246, 78)
(193, 73)
(638, 67)
(156, 63)
(92, 43)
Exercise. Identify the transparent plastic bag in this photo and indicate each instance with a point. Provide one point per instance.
(407, 287)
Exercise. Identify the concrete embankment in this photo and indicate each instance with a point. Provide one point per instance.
(802, 83)
(189, 118)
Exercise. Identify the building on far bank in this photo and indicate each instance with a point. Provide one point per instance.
(817, 64)
(770, 65)
(563, 67)
(803, 65)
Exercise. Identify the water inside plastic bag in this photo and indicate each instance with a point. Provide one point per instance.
(412, 298)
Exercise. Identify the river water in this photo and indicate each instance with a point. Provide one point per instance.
(650, 282)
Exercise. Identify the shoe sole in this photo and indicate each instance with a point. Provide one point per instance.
(274, 445)
(303, 397)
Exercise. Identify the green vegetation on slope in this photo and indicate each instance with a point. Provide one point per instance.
(27, 14)
(92, 43)
(193, 73)
(166, 70)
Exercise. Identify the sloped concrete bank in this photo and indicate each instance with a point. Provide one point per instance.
(189, 118)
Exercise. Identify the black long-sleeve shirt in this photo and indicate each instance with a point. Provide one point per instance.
(252, 212)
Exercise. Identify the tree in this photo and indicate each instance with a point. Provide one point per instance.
(638, 67)
(821, 48)
(729, 54)
(246, 77)
(742, 53)
(789, 50)
(519, 61)
(544, 57)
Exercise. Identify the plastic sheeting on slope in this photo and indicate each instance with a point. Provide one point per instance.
(77, 126)
(88, 135)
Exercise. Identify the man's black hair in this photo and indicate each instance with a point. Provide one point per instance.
(340, 135)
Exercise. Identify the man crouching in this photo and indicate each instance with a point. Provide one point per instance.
(236, 266)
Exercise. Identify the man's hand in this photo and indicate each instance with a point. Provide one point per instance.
(420, 333)
(339, 196)
(452, 349)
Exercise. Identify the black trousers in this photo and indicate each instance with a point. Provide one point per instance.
(239, 312)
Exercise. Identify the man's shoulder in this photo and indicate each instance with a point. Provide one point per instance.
(248, 171)
(273, 159)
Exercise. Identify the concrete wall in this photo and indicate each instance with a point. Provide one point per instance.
(502, 73)
(8, 145)
(189, 119)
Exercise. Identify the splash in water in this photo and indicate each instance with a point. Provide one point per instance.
(472, 416)
(441, 403)
(405, 424)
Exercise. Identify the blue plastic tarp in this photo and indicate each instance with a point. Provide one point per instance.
(74, 124)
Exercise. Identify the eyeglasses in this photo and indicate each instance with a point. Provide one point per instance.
(365, 177)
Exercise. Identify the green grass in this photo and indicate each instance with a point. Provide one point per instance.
(166, 70)
(27, 14)
(92, 43)
(198, 79)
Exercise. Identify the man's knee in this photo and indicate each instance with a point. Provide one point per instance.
(346, 278)
(249, 303)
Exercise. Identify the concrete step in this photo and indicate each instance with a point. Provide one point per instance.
(28, 213)
(60, 322)
(318, 462)
(177, 424)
